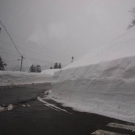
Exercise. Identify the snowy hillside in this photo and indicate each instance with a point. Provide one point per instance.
(101, 82)
(10, 77)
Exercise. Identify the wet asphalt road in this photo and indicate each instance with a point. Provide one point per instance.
(41, 120)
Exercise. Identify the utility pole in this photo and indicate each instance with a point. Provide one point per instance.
(21, 62)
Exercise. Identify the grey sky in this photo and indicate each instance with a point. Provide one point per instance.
(70, 27)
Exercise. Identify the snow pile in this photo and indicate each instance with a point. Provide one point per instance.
(50, 71)
(101, 82)
(14, 78)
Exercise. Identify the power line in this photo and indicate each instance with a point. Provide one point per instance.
(32, 43)
(40, 53)
(11, 60)
(10, 38)
(37, 60)
(9, 53)
(5, 49)
(37, 49)
(38, 45)
(27, 57)
(14, 45)
(41, 50)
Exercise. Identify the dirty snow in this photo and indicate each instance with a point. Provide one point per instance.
(102, 82)
(10, 107)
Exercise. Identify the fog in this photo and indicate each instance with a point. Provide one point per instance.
(47, 31)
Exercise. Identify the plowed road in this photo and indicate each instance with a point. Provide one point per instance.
(30, 117)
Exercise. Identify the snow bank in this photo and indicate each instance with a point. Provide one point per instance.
(50, 71)
(10, 77)
(101, 82)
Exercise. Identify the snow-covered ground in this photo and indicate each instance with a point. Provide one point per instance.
(14, 78)
(101, 82)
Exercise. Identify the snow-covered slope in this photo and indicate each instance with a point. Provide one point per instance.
(101, 82)
(10, 77)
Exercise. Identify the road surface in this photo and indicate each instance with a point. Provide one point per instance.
(31, 117)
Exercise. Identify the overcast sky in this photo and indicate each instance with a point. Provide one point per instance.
(60, 29)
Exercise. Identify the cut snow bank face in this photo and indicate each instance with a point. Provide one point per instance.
(9, 78)
(50, 71)
(102, 82)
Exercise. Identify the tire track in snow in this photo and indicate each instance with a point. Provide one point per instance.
(52, 106)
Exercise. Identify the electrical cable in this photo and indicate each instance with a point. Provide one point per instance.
(10, 38)
(36, 45)
(9, 53)
(37, 49)
(11, 60)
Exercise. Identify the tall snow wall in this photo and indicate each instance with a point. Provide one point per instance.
(106, 87)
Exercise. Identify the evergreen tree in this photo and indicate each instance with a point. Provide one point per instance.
(56, 65)
(2, 64)
(32, 68)
(59, 66)
(38, 68)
